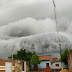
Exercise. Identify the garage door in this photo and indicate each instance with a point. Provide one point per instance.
(8, 66)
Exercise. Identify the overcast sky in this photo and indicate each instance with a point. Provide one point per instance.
(31, 20)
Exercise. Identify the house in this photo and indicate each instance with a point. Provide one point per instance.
(53, 63)
(56, 64)
(45, 61)
(70, 61)
(13, 66)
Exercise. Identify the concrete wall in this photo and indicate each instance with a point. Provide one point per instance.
(17, 65)
(27, 66)
(42, 64)
(2, 65)
(70, 61)
(59, 67)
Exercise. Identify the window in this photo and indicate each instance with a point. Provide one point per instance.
(57, 65)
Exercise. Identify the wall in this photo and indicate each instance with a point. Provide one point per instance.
(18, 66)
(42, 64)
(2, 65)
(27, 66)
(36, 71)
(55, 67)
(70, 61)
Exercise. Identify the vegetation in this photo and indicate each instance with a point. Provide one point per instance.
(64, 56)
(35, 61)
(22, 55)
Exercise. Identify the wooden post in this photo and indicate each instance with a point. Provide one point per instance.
(12, 58)
(70, 63)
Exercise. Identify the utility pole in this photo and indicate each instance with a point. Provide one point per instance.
(12, 59)
(12, 53)
(71, 63)
(56, 28)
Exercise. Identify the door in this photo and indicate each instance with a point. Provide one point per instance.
(24, 66)
(8, 66)
(47, 64)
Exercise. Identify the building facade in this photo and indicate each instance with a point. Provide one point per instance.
(7, 65)
(53, 63)
(56, 64)
(13, 66)
(45, 60)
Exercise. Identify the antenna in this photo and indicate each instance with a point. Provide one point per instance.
(56, 25)
(57, 29)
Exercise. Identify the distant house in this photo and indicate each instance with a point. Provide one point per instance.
(56, 64)
(53, 63)
(45, 60)
(70, 61)
(13, 66)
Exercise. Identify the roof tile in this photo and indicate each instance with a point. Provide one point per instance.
(44, 57)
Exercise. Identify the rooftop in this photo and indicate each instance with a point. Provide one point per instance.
(44, 57)
(56, 59)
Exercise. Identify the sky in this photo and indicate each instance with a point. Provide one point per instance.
(30, 24)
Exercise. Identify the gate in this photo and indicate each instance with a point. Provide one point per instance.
(8, 67)
(24, 66)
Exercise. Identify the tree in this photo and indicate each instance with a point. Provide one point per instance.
(64, 56)
(35, 61)
(22, 55)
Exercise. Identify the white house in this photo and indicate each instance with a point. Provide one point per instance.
(56, 64)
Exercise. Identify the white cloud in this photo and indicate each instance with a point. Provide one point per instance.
(14, 16)
(25, 32)
(45, 43)
(69, 28)
(28, 26)
(13, 10)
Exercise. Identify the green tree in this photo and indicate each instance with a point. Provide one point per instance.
(22, 55)
(64, 56)
(35, 61)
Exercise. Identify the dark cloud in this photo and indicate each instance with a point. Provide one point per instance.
(30, 24)
(27, 27)
(43, 44)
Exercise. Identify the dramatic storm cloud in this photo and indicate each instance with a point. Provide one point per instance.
(30, 24)
(27, 27)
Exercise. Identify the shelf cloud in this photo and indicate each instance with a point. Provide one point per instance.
(30, 24)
